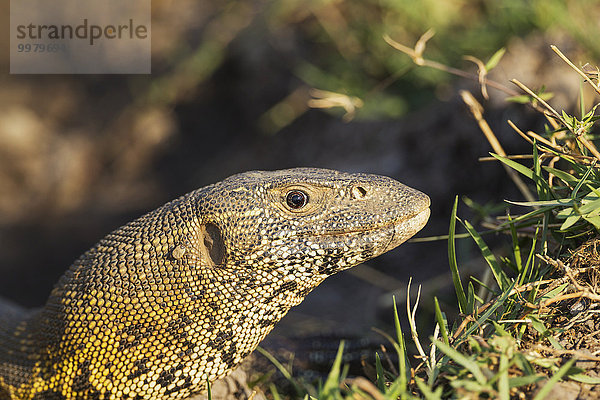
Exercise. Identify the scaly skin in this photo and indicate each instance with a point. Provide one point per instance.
(178, 297)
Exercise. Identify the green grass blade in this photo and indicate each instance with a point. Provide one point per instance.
(528, 272)
(552, 381)
(595, 220)
(459, 358)
(276, 363)
(402, 363)
(542, 187)
(481, 320)
(458, 287)
(527, 216)
(470, 298)
(379, 370)
(503, 386)
(501, 278)
(582, 180)
(524, 380)
(495, 59)
(544, 242)
(562, 175)
(590, 380)
(521, 361)
(332, 382)
(484, 286)
(542, 203)
(589, 206)
(426, 390)
(284, 371)
(544, 332)
(570, 221)
(441, 321)
(397, 390)
(514, 165)
(515, 245)
(275, 392)
(581, 100)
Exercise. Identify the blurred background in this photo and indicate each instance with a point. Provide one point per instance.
(250, 84)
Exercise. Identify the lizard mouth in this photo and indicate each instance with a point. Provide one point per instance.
(378, 239)
(403, 228)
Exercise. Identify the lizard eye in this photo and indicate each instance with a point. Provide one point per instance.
(296, 199)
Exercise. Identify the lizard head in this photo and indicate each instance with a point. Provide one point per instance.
(307, 221)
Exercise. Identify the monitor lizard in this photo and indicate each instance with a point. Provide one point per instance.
(176, 299)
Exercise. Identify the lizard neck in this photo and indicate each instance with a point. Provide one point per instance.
(20, 350)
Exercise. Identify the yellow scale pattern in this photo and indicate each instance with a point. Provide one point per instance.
(180, 296)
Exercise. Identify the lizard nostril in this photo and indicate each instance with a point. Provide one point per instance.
(358, 192)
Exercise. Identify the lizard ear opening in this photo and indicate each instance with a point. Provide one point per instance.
(212, 244)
